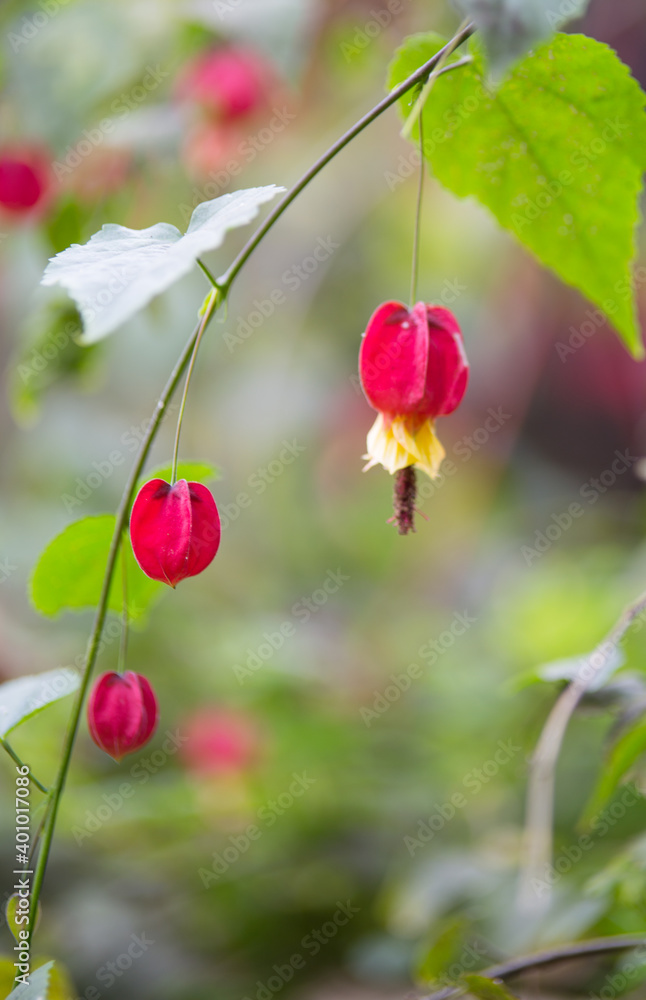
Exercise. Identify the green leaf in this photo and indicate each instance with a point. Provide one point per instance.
(194, 472)
(38, 986)
(119, 270)
(69, 574)
(487, 989)
(24, 697)
(511, 27)
(624, 753)
(557, 155)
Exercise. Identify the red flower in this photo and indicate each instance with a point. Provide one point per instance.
(413, 369)
(174, 530)
(121, 713)
(232, 82)
(24, 179)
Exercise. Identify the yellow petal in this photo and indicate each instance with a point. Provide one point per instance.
(393, 445)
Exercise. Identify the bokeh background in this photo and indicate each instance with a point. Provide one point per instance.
(389, 809)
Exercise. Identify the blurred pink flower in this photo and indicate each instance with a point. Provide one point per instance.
(231, 82)
(220, 741)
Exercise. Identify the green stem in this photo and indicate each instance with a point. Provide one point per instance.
(14, 756)
(418, 220)
(417, 77)
(123, 644)
(204, 322)
(95, 636)
(222, 285)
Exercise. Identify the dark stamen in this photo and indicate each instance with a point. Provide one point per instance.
(404, 500)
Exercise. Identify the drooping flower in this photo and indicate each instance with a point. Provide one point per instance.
(121, 713)
(413, 369)
(25, 179)
(174, 530)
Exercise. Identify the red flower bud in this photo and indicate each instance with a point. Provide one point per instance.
(413, 369)
(220, 741)
(174, 530)
(121, 713)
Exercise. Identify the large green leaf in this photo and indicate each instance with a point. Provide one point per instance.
(119, 270)
(25, 696)
(623, 754)
(510, 27)
(69, 574)
(557, 154)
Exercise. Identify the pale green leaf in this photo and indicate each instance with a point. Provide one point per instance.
(119, 270)
(38, 986)
(557, 154)
(23, 697)
(69, 574)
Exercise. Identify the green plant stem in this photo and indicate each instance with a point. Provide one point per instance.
(95, 636)
(222, 285)
(204, 322)
(418, 220)
(123, 644)
(551, 956)
(14, 756)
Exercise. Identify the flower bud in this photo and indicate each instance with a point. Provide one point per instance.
(174, 530)
(231, 82)
(24, 179)
(121, 713)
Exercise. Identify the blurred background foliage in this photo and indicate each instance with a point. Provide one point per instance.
(262, 673)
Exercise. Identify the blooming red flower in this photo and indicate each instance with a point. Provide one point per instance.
(413, 369)
(24, 179)
(174, 530)
(121, 713)
(232, 82)
(219, 741)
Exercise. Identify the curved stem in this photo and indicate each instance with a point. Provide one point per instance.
(222, 287)
(540, 791)
(417, 77)
(204, 322)
(516, 966)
